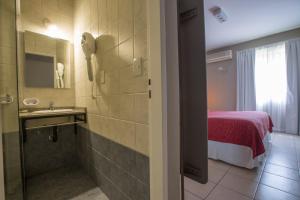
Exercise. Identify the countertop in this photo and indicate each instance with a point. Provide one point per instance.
(31, 113)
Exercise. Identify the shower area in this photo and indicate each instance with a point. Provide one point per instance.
(74, 99)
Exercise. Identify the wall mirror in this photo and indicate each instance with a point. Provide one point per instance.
(47, 61)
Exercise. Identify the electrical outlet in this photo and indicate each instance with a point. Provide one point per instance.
(137, 67)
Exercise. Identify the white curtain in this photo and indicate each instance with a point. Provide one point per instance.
(293, 94)
(271, 83)
(245, 80)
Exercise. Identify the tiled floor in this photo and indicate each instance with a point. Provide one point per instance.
(276, 179)
(63, 184)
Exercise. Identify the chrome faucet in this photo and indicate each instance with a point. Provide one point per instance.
(51, 105)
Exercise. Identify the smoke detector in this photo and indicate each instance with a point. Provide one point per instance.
(219, 14)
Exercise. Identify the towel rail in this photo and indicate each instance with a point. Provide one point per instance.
(78, 118)
(55, 125)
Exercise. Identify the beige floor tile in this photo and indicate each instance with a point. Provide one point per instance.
(282, 171)
(290, 156)
(282, 141)
(221, 193)
(190, 196)
(219, 164)
(281, 183)
(200, 190)
(283, 160)
(265, 192)
(239, 184)
(285, 149)
(215, 174)
(251, 174)
(278, 176)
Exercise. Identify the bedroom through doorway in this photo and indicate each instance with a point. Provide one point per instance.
(253, 89)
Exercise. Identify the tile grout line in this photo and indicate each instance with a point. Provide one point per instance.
(275, 175)
(259, 181)
(263, 169)
(280, 190)
(217, 184)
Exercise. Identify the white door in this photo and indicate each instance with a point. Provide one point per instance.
(2, 193)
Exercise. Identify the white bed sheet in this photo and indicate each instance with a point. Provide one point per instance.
(236, 154)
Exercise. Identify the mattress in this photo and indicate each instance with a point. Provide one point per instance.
(246, 129)
(236, 154)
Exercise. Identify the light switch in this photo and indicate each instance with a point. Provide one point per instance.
(137, 67)
(102, 76)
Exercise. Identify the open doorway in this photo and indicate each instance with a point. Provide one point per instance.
(253, 101)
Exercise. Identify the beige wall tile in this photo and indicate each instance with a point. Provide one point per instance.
(120, 110)
(113, 31)
(53, 5)
(142, 138)
(110, 60)
(114, 106)
(104, 124)
(80, 89)
(8, 80)
(92, 123)
(126, 53)
(123, 132)
(140, 16)
(80, 101)
(7, 23)
(98, 105)
(112, 7)
(141, 108)
(104, 43)
(127, 103)
(94, 12)
(7, 15)
(125, 20)
(140, 45)
(8, 74)
(67, 6)
(7, 37)
(102, 16)
(10, 118)
(34, 5)
(109, 83)
(134, 84)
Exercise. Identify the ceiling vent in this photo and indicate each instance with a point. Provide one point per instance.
(219, 14)
(219, 56)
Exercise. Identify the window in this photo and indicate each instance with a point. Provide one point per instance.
(270, 75)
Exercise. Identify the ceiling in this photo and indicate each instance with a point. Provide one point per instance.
(248, 20)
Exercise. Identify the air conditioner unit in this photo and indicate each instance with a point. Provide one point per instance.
(219, 56)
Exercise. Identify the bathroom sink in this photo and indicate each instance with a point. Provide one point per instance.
(52, 111)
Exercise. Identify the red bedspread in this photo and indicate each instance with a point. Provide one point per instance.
(243, 128)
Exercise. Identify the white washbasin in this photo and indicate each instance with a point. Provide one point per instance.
(52, 111)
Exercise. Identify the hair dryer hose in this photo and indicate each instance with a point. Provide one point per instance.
(90, 69)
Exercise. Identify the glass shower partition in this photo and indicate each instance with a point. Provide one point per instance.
(10, 165)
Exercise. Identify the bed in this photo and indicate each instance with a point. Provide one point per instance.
(239, 138)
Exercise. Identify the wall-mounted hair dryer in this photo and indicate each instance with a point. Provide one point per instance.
(89, 47)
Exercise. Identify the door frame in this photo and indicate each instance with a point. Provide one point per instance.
(164, 134)
(2, 189)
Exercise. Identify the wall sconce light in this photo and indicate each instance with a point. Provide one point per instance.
(51, 29)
